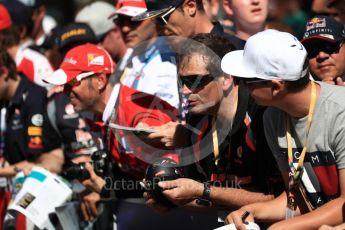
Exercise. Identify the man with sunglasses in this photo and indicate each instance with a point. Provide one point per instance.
(149, 66)
(85, 74)
(183, 18)
(304, 128)
(229, 144)
(323, 40)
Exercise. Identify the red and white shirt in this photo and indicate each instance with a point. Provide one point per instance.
(34, 65)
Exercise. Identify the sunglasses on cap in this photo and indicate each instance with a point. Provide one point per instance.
(77, 80)
(195, 81)
(327, 47)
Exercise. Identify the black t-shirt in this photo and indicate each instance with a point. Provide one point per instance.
(25, 123)
(244, 156)
(237, 42)
(69, 129)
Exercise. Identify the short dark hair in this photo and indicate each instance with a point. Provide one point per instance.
(298, 85)
(7, 61)
(212, 46)
(199, 6)
(10, 37)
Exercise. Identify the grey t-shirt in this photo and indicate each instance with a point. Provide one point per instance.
(326, 143)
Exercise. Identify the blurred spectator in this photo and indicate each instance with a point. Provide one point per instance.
(133, 32)
(148, 67)
(25, 122)
(107, 33)
(15, 39)
(339, 6)
(304, 129)
(249, 16)
(182, 18)
(74, 34)
(21, 16)
(324, 41)
(42, 23)
(289, 15)
(211, 8)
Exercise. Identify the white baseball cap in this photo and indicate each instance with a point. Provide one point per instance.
(268, 55)
(96, 15)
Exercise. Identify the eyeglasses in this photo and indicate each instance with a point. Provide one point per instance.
(195, 81)
(122, 20)
(326, 47)
(250, 81)
(163, 19)
(77, 80)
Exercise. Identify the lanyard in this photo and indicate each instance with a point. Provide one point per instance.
(294, 174)
(215, 141)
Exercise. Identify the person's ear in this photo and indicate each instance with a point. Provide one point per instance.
(102, 81)
(191, 7)
(277, 87)
(228, 8)
(227, 83)
(4, 72)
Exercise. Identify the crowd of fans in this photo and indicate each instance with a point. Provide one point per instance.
(243, 96)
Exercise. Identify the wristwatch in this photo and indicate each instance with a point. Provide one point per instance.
(16, 169)
(205, 199)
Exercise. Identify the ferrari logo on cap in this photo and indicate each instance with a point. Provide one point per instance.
(95, 60)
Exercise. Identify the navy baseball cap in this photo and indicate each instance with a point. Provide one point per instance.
(323, 28)
(20, 13)
(74, 34)
(156, 8)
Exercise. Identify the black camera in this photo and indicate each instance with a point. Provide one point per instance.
(99, 161)
(162, 170)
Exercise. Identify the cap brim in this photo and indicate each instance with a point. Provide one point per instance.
(150, 14)
(60, 77)
(307, 39)
(233, 64)
(128, 11)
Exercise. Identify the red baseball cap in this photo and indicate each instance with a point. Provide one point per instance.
(5, 18)
(80, 62)
(129, 8)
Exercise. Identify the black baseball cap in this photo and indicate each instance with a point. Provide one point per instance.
(20, 13)
(75, 34)
(156, 8)
(323, 28)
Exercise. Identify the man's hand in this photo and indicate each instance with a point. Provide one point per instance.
(95, 183)
(88, 206)
(182, 191)
(171, 134)
(334, 81)
(239, 218)
(156, 206)
(25, 166)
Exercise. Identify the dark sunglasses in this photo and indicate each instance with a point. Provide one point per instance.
(195, 81)
(326, 47)
(163, 19)
(122, 20)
